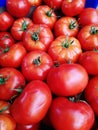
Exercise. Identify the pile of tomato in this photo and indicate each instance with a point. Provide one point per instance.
(48, 65)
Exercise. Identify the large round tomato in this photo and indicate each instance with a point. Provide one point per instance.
(65, 49)
(18, 8)
(68, 115)
(72, 7)
(33, 103)
(88, 37)
(38, 37)
(66, 26)
(36, 65)
(67, 79)
(91, 93)
(43, 14)
(10, 80)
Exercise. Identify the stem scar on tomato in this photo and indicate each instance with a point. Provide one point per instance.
(37, 61)
(66, 43)
(3, 79)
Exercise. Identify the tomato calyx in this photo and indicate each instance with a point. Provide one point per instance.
(4, 50)
(93, 30)
(75, 98)
(35, 36)
(24, 26)
(5, 36)
(49, 13)
(37, 61)
(72, 25)
(4, 109)
(3, 79)
(66, 43)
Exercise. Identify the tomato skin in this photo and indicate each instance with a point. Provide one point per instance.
(73, 7)
(61, 50)
(66, 26)
(4, 107)
(89, 60)
(88, 37)
(20, 26)
(35, 2)
(43, 14)
(6, 21)
(7, 122)
(33, 103)
(91, 93)
(68, 115)
(66, 79)
(88, 16)
(13, 57)
(10, 79)
(18, 8)
(39, 37)
(36, 65)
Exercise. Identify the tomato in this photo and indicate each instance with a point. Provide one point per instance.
(10, 80)
(55, 4)
(6, 21)
(7, 122)
(64, 49)
(33, 103)
(18, 8)
(39, 37)
(20, 26)
(88, 16)
(91, 93)
(35, 2)
(4, 107)
(43, 14)
(67, 79)
(27, 127)
(6, 40)
(88, 37)
(36, 65)
(66, 26)
(12, 56)
(72, 7)
(89, 60)
(68, 115)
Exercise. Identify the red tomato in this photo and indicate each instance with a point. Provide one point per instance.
(4, 107)
(18, 8)
(35, 2)
(6, 40)
(91, 93)
(68, 115)
(64, 49)
(88, 16)
(43, 14)
(33, 103)
(66, 26)
(7, 122)
(67, 79)
(89, 60)
(12, 57)
(27, 127)
(36, 65)
(55, 4)
(10, 80)
(6, 21)
(88, 37)
(20, 26)
(72, 7)
(39, 37)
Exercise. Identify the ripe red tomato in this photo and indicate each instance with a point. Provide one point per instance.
(18, 8)
(64, 49)
(35, 2)
(39, 37)
(33, 103)
(88, 37)
(20, 26)
(12, 56)
(7, 122)
(72, 7)
(4, 107)
(55, 4)
(67, 79)
(6, 21)
(43, 14)
(88, 16)
(89, 60)
(91, 93)
(66, 26)
(36, 65)
(68, 115)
